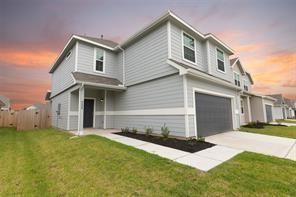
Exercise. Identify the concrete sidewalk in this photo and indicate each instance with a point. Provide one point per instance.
(203, 160)
(265, 144)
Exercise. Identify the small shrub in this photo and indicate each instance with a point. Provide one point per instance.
(134, 130)
(125, 130)
(257, 125)
(148, 130)
(165, 131)
(200, 138)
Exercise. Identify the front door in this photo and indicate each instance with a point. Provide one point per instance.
(88, 114)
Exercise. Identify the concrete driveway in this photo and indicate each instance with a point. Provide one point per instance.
(258, 143)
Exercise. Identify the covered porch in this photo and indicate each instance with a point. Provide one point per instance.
(245, 109)
(90, 102)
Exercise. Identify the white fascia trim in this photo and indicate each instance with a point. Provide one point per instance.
(94, 43)
(76, 56)
(103, 85)
(123, 65)
(105, 109)
(208, 56)
(169, 39)
(181, 69)
(68, 115)
(148, 112)
(185, 97)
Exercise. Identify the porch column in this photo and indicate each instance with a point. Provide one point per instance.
(249, 109)
(80, 110)
(105, 109)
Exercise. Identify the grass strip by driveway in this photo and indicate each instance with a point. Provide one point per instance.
(287, 121)
(280, 131)
(48, 163)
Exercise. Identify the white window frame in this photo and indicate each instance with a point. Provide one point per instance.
(224, 72)
(239, 76)
(95, 59)
(194, 41)
(245, 84)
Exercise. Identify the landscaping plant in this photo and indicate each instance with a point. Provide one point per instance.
(165, 131)
(148, 130)
(125, 130)
(134, 130)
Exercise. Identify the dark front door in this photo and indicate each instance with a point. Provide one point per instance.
(213, 114)
(88, 115)
(268, 109)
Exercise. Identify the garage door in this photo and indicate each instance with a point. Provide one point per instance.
(213, 114)
(268, 113)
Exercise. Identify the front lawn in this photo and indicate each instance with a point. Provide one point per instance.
(287, 121)
(281, 131)
(49, 163)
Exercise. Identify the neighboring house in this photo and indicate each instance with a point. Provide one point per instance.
(36, 106)
(283, 108)
(166, 73)
(4, 103)
(291, 106)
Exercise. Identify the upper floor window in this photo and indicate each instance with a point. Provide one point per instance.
(246, 87)
(99, 60)
(236, 79)
(220, 60)
(188, 48)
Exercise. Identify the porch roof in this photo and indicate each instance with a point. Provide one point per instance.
(96, 80)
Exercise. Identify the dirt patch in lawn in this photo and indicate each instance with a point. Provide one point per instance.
(191, 146)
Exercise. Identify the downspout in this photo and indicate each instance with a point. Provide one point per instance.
(123, 65)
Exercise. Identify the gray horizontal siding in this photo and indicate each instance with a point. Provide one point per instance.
(99, 122)
(86, 61)
(165, 92)
(213, 59)
(146, 59)
(176, 44)
(175, 123)
(60, 121)
(61, 78)
(73, 122)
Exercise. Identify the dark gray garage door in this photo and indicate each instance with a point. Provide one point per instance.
(213, 114)
(268, 113)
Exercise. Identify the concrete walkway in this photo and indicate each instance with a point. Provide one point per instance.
(258, 143)
(203, 160)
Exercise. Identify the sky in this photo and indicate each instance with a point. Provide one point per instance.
(33, 33)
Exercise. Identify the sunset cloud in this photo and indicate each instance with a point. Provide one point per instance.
(29, 59)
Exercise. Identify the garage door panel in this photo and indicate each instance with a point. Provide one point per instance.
(268, 109)
(213, 114)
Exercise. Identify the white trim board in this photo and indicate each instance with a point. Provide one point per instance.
(148, 112)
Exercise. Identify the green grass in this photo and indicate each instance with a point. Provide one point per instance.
(280, 131)
(48, 163)
(287, 121)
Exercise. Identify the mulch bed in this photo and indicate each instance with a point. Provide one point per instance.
(191, 146)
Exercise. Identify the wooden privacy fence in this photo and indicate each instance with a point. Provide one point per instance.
(26, 119)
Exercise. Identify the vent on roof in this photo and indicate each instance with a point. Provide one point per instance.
(102, 36)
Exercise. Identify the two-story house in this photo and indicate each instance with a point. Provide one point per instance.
(166, 73)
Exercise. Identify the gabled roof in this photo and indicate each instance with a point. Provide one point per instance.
(102, 41)
(250, 78)
(113, 46)
(238, 62)
(279, 99)
(107, 44)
